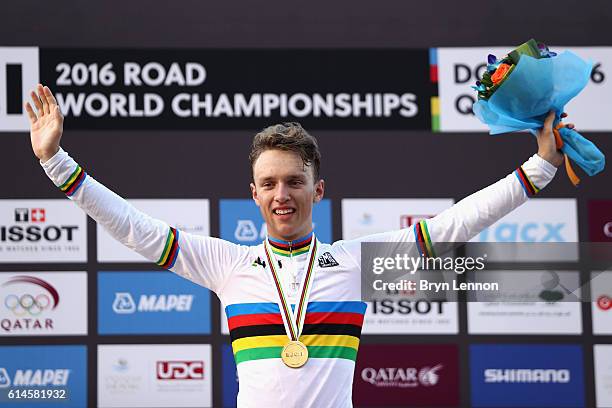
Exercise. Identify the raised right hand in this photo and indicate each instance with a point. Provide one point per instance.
(46, 125)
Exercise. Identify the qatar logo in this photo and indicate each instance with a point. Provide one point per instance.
(32, 304)
(392, 377)
(604, 302)
(180, 370)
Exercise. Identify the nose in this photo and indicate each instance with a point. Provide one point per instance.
(281, 194)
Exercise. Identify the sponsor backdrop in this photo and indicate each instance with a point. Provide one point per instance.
(165, 119)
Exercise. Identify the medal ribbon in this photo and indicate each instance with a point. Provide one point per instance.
(293, 326)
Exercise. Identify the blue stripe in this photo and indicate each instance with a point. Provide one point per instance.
(79, 185)
(314, 307)
(433, 56)
(283, 242)
(522, 184)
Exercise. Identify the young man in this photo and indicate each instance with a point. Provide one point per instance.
(303, 357)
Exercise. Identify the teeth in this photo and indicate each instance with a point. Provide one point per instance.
(283, 212)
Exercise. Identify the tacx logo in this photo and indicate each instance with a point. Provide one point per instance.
(408, 220)
(327, 260)
(402, 377)
(180, 370)
(526, 375)
(527, 232)
(124, 303)
(5, 380)
(604, 302)
(246, 230)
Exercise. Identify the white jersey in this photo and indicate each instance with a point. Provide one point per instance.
(245, 288)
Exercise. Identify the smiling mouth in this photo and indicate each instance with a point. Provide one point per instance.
(283, 211)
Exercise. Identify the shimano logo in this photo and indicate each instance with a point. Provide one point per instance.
(527, 375)
(124, 303)
(402, 377)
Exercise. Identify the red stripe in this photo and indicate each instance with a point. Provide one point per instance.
(433, 73)
(254, 320)
(525, 181)
(355, 319)
(294, 245)
(334, 318)
(172, 252)
(421, 240)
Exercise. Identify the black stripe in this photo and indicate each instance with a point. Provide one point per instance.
(276, 329)
(13, 89)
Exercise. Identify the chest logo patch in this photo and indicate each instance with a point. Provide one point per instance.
(327, 260)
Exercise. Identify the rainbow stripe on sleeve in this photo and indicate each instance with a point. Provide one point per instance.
(423, 240)
(331, 330)
(171, 250)
(526, 183)
(74, 182)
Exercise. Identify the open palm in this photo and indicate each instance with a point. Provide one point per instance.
(46, 124)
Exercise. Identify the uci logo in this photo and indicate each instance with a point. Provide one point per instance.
(527, 232)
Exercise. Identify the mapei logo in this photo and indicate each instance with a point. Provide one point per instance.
(124, 303)
(246, 230)
(180, 370)
(604, 302)
(25, 231)
(5, 380)
(56, 377)
(402, 377)
(408, 220)
(524, 232)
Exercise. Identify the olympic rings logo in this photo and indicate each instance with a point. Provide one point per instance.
(27, 304)
(604, 302)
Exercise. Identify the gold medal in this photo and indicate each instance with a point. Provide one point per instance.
(294, 354)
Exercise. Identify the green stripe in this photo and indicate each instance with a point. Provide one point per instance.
(428, 239)
(435, 123)
(167, 247)
(261, 353)
(70, 179)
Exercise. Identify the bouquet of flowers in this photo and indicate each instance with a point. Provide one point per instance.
(517, 91)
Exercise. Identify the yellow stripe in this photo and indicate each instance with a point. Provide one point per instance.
(285, 252)
(169, 243)
(435, 106)
(427, 239)
(67, 184)
(281, 340)
(529, 180)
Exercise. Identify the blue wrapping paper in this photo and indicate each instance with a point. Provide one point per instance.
(534, 88)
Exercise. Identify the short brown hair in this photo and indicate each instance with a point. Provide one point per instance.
(289, 136)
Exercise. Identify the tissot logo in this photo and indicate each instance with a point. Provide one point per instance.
(402, 377)
(406, 307)
(35, 233)
(124, 303)
(180, 370)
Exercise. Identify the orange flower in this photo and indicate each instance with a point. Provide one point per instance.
(500, 73)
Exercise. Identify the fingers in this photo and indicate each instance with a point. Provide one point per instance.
(37, 103)
(31, 114)
(43, 99)
(50, 98)
(548, 122)
(564, 115)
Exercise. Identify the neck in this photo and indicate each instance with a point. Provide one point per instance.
(289, 247)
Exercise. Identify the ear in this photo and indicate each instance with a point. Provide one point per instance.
(254, 194)
(319, 191)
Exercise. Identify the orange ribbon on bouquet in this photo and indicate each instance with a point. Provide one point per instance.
(571, 174)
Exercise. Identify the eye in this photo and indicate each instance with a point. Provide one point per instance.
(297, 182)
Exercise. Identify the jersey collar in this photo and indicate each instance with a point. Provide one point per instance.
(291, 248)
